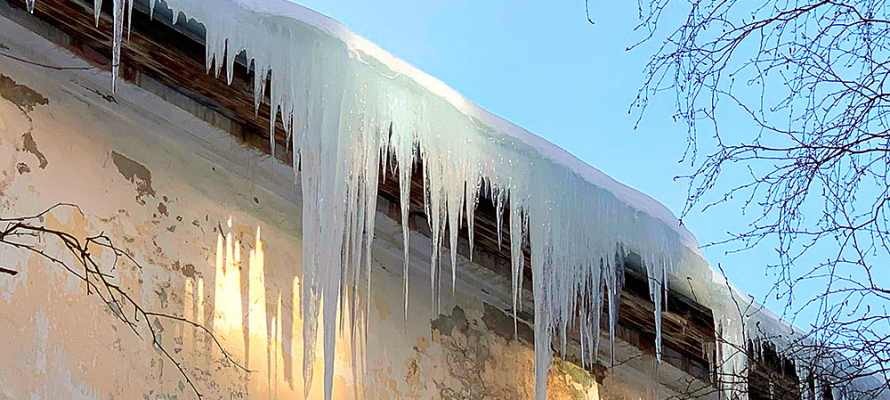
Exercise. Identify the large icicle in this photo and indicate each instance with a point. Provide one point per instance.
(517, 234)
(116, 45)
(349, 107)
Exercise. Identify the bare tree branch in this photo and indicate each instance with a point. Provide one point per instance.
(21, 232)
(787, 105)
(8, 271)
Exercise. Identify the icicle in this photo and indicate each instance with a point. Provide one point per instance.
(455, 182)
(434, 218)
(516, 255)
(612, 298)
(472, 201)
(499, 213)
(375, 151)
(273, 114)
(593, 331)
(260, 73)
(130, 18)
(543, 353)
(231, 53)
(405, 204)
(116, 46)
(521, 275)
(209, 50)
(658, 351)
(97, 10)
(404, 144)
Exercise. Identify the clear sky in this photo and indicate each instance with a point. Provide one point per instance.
(543, 66)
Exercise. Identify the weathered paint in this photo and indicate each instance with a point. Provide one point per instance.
(20, 95)
(137, 174)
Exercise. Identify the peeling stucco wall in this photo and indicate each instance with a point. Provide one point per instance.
(216, 230)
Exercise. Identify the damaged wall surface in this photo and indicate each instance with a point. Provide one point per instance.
(215, 227)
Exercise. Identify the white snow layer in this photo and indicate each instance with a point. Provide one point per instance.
(349, 106)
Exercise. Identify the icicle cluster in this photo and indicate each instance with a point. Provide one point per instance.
(350, 108)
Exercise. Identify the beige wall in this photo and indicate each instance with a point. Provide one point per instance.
(216, 227)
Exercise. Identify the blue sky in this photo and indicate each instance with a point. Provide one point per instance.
(542, 66)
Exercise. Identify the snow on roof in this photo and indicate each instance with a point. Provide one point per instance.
(367, 49)
(348, 105)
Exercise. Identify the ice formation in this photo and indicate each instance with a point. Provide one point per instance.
(350, 107)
